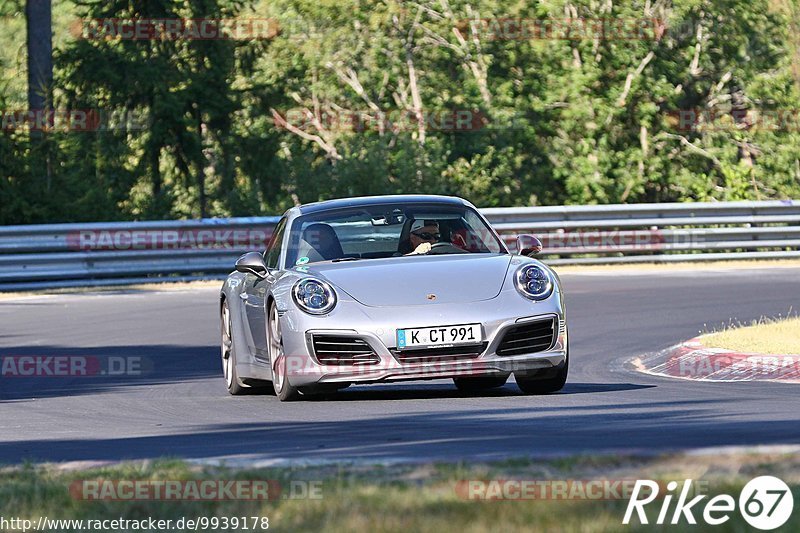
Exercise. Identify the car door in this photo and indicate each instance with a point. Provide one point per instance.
(255, 293)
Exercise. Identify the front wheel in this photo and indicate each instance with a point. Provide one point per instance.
(232, 381)
(544, 385)
(277, 359)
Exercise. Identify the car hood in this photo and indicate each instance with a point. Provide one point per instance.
(405, 281)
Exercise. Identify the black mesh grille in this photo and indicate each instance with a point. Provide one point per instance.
(530, 337)
(338, 350)
(440, 355)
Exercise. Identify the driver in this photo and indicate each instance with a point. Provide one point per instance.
(423, 235)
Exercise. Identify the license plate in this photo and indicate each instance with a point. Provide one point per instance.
(440, 336)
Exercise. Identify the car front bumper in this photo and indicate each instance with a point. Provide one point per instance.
(377, 326)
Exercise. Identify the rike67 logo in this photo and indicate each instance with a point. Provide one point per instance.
(765, 503)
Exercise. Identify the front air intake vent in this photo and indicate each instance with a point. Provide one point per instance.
(530, 337)
(340, 350)
(439, 355)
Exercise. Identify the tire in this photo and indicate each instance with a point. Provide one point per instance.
(479, 384)
(277, 359)
(232, 381)
(547, 385)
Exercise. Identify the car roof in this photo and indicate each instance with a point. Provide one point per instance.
(317, 207)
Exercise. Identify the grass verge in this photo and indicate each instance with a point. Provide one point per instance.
(766, 335)
(421, 497)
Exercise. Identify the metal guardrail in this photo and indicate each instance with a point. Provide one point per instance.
(60, 255)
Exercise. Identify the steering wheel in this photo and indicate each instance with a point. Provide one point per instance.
(441, 248)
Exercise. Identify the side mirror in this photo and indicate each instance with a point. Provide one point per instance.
(528, 245)
(252, 263)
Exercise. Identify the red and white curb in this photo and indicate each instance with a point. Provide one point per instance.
(692, 360)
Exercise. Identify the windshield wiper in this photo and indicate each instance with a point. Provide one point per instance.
(346, 259)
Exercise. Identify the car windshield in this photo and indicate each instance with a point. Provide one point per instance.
(372, 232)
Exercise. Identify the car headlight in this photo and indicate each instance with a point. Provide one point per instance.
(534, 282)
(314, 296)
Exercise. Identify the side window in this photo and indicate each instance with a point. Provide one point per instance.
(273, 252)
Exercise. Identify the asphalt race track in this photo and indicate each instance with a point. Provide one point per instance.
(180, 408)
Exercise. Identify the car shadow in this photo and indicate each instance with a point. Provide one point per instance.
(100, 369)
(433, 434)
(447, 390)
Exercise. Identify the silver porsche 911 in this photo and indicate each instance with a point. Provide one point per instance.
(390, 288)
